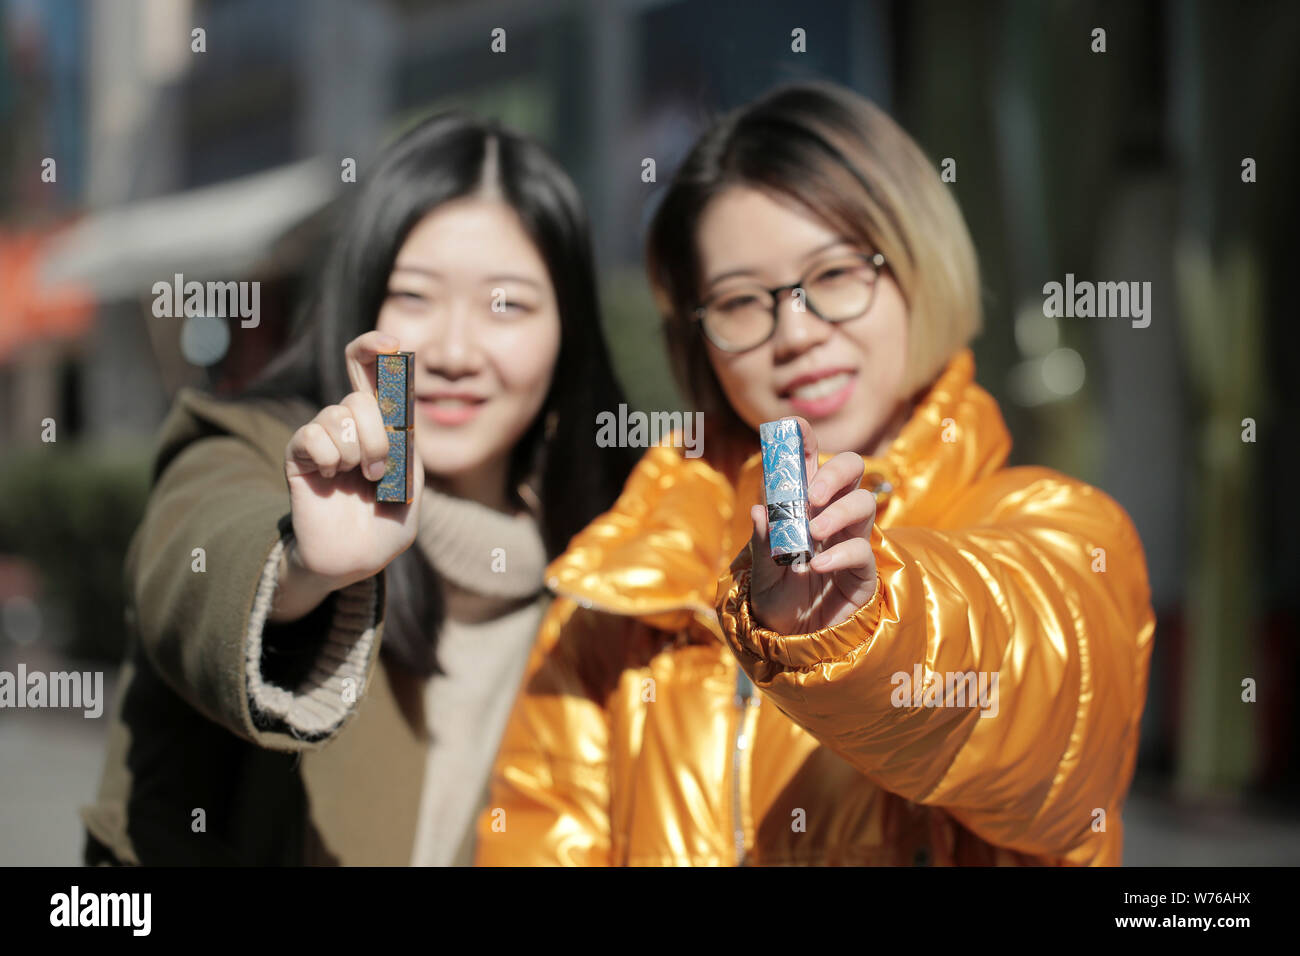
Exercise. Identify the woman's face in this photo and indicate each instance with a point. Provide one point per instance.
(470, 295)
(845, 378)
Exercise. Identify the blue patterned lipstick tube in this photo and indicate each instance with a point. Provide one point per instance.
(396, 397)
(785, 490)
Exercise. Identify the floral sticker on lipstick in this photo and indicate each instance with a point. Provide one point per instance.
(785, 490)
(396, 397)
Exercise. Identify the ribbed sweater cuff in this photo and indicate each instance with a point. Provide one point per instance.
(320, 704)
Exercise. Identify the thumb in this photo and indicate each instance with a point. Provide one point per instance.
(758, 514)
(765, 573)
(744, 558)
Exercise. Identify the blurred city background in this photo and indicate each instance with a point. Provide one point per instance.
(128, 157)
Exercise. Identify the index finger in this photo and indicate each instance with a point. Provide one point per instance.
(361, 355)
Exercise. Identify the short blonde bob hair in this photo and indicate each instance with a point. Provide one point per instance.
(838, 155)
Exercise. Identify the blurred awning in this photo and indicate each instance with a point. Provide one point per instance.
(214, 232)
(28, 313)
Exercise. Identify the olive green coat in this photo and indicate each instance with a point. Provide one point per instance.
(198, 773)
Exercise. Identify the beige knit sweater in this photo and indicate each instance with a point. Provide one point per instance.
(491, 566)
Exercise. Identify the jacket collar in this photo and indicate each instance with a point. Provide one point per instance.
(657, 554)
(264, 423)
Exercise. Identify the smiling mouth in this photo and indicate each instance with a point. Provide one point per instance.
(451, 401)
(819, 388)
(449, 410)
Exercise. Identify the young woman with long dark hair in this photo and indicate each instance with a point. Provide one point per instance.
(316, 677)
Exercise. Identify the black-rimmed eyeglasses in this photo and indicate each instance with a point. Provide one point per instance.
(835, 290)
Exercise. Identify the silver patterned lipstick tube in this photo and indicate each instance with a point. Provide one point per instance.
(785, 490)
(396, 397)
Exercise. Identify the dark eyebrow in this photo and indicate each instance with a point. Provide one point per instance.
(435, 274)
(431, 273)
(508, 277)
(807, 256)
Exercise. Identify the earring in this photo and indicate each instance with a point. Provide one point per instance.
(525, 490)
(529, 498)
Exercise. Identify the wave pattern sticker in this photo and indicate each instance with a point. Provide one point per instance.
(785, 489)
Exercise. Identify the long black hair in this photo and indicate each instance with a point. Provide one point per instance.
(439, 160)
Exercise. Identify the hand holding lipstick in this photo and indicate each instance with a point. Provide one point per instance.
(343, 531)
(841, 577)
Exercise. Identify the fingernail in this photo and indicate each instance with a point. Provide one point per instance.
(815, 490)
(375, 470)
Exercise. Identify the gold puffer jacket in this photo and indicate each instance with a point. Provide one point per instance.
(982, 708)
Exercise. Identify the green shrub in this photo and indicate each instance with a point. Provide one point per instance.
(70, 510)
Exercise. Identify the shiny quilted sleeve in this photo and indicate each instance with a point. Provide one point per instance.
(998, 672)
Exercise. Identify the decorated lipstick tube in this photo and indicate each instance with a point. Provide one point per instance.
(396, 397)
(785, 489)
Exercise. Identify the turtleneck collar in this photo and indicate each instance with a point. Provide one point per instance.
(481, 551)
